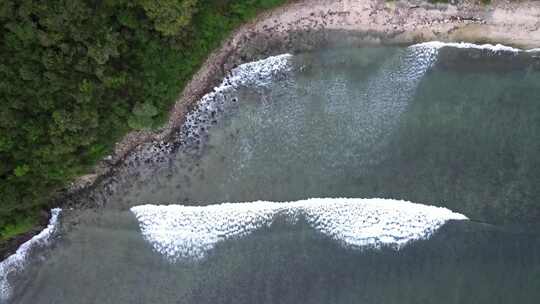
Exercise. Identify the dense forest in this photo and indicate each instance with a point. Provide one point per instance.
(76, 75)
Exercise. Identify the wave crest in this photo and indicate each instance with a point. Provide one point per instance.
(15, 262)
(188, 232)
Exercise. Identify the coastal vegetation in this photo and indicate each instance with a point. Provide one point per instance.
(76, 75)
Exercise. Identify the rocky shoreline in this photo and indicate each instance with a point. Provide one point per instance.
(304, 25)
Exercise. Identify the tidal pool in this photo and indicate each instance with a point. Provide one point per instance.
(452, 126)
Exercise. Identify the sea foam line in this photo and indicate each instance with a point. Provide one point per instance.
(16, 261)
(466, 45)
(189, 232)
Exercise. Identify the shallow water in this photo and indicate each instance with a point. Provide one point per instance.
(451, 127)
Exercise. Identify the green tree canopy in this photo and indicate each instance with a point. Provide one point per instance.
(75, 75)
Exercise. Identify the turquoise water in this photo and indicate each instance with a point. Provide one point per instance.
(458, 128)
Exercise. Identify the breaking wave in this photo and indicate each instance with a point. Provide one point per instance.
(188, 232)
(256, 74)
(466, 45)
(15, 262)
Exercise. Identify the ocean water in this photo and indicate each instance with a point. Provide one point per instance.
(454, 126)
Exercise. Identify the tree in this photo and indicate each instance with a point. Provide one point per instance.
(170, 17)
(75, 75)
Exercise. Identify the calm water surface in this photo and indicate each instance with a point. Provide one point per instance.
(457, 127)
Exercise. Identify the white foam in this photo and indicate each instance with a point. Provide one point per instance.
(256, 74)
(16, 261)
(466, 45)
(188, 232)
(260, 72)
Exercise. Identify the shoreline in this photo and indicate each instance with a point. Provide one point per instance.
(304, 25)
